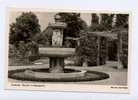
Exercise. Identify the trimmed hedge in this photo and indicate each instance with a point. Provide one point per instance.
(88, 50)
(23, 53)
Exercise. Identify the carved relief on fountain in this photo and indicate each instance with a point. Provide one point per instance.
(57, 38)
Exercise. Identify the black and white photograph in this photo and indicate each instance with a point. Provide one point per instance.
(66, 50)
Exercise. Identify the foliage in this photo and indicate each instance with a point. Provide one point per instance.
(23, 53)
(33, 50)
(74, 24)
(122, 20)
(107, 21)
(44, 38)
(95, 19)
(25, 27)
(87, 50)
(104, 25)
(97, 27)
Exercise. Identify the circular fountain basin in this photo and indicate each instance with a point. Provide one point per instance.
(43, 75)
(37, 74)
(56, 52)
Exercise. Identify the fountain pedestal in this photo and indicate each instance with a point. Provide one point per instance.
(56, 57)
(57, 60)
(56, 65)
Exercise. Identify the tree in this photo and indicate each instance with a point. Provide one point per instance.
(104, 25)
(74, 24)
(95, 19)
(44, 38)
(107, 21)
(25, 27)
(97, 27)
(122, 21)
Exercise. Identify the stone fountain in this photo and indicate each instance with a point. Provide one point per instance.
(56, 53)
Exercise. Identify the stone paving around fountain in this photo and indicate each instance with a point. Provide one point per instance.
(117, 77)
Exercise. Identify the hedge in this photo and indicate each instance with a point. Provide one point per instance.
(23, 53)
(88, 50)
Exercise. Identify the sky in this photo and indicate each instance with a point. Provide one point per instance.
(45, 18)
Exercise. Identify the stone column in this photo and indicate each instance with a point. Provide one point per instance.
(98, 50)
(119, 52)
(57, 63)
(107, 49)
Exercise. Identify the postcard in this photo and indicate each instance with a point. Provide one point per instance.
(68, 50)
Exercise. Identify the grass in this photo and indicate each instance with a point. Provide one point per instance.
(18, 62)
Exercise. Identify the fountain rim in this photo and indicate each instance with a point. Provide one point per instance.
(100, 76)
(56, 51)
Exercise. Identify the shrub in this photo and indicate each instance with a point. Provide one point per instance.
(23, 53)
(44, 38)
(33, 50)
(13, 52)
(25, 27)
(87, 51)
